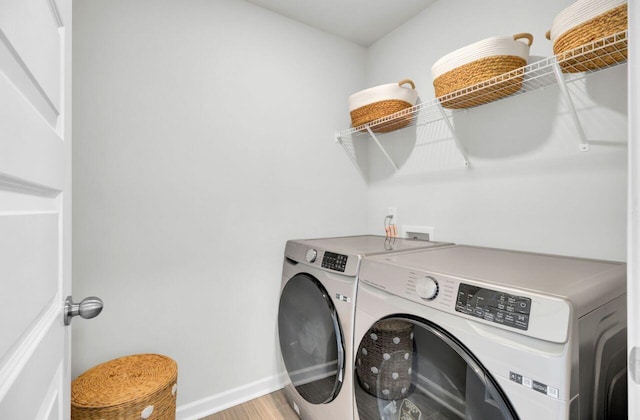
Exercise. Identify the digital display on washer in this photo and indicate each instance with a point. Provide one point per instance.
(334, 261)
(490, 305)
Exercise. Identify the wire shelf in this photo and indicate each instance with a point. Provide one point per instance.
(558, 69)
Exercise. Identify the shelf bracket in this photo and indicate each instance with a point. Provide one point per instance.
(445, 117)
(348, 152)
(584, 143)
(384, 152)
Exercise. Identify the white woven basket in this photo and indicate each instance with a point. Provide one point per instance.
(377, 102)
(588, 23)
(479, 64)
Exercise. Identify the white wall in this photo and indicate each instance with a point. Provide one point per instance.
(528, 186)
(202, 142)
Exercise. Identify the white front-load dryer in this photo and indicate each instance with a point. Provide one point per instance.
(315, 319)
(465, 332)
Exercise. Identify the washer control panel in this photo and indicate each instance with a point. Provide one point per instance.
(333, 261)
(493, 306)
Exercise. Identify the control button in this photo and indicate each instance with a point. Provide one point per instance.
(515, 377)
(523, 306)
(522, 321)
(427, 288)
(311, 255)
(540, 387)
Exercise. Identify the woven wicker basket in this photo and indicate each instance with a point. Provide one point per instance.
(599, 27)
(381, 101)
(132, 387)
(384, 359)
(478, 69)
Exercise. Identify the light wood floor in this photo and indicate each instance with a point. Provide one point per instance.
(270, 407)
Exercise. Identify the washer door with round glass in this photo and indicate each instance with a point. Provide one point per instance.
(412, 369)
(311, 339)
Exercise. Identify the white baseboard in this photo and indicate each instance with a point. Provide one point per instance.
(218, 402)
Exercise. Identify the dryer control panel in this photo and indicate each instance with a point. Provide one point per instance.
(334, 261)
(493, 306)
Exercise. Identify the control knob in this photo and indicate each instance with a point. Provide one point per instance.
(427, 288)
(311, 255)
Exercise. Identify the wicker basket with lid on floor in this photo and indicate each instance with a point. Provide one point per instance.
(141, 386)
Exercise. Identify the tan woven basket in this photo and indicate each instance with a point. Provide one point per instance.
(132, 387)
(602, 26)
(384, 359)
(479, 71)
(380, 109)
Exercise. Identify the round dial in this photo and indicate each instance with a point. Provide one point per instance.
(311, 255)
(427, 288)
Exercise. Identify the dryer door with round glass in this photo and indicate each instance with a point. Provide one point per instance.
(409, 368)
(311, 339)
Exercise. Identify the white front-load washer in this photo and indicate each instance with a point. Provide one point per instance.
(315, 319)
(466, 332)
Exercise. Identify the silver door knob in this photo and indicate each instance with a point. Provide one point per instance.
(89, 307)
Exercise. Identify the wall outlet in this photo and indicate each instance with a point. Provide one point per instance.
(425, 233)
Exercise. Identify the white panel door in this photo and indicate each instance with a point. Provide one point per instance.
(35, 199)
